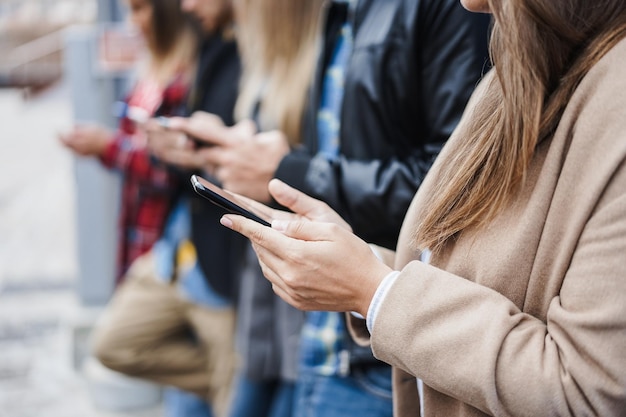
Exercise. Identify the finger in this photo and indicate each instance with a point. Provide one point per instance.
(296, 229)
(214, 155)
(290, 290)
(295, 200)
(307, 230)
(184, 142)
(275, 269)
(219, 173)
(208, 169)
(205, 127)
(266, 261)
(283, 293)
(278, 284)
(263, 236)
(71, 141)
(82, 127)
(165, 140)
(245, 129)
(161, 124)
(181, 157)
(64, 138)
(172, 123)
(290, 297)
(152, 125)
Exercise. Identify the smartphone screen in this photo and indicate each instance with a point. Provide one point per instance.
(228, 201)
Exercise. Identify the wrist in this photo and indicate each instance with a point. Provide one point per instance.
(379, 297)
(369, 290)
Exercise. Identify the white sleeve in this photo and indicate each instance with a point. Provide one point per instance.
(378, 298)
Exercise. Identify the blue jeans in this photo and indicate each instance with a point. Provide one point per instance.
(366, 392)
(179, 403)
(267, 398)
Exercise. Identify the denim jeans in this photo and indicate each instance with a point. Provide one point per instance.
(366, 392)
(268, 398)
(178, 403)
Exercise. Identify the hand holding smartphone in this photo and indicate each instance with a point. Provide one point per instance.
(228, 201)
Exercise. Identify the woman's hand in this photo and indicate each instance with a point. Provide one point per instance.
(311, 257)
(302, 206)
(87, 140)
(171, 146)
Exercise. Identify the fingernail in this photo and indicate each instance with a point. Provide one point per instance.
(280, 225)
(225, 221)
(164, 122)
(278, 185)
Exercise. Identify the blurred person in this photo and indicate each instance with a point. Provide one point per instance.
(279, 43)
(507, 296)
(163, 77)
(172, 322)
(391, 84)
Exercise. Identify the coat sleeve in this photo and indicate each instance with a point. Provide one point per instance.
(473, 344)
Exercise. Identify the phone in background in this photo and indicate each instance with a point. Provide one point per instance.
(228, 201)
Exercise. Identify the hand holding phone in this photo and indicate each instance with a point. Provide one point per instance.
(229, 201)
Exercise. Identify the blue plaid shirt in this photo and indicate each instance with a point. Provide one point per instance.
(324, 335)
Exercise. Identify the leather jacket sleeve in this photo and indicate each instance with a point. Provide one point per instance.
(404, 94)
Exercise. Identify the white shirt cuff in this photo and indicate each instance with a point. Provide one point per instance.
(379, 297)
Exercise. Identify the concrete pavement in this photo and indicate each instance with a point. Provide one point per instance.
(39, 310)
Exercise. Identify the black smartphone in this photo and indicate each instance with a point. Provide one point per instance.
(228, 201)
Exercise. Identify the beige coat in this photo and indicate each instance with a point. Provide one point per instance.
(527, 317)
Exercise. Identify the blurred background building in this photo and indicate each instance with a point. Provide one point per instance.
(31, 38)
(57, 212)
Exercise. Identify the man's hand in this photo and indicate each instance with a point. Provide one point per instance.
(243, 161)
(208, 129)
(246, 165)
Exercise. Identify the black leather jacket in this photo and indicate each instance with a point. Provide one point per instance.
(412, 70)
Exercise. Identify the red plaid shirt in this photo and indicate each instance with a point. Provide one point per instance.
(147, 187)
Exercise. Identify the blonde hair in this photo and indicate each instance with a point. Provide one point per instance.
(278, 41)
(541, 50)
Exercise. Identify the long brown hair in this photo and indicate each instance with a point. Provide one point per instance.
(541, 50)
(173, 40)
(278, 40)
